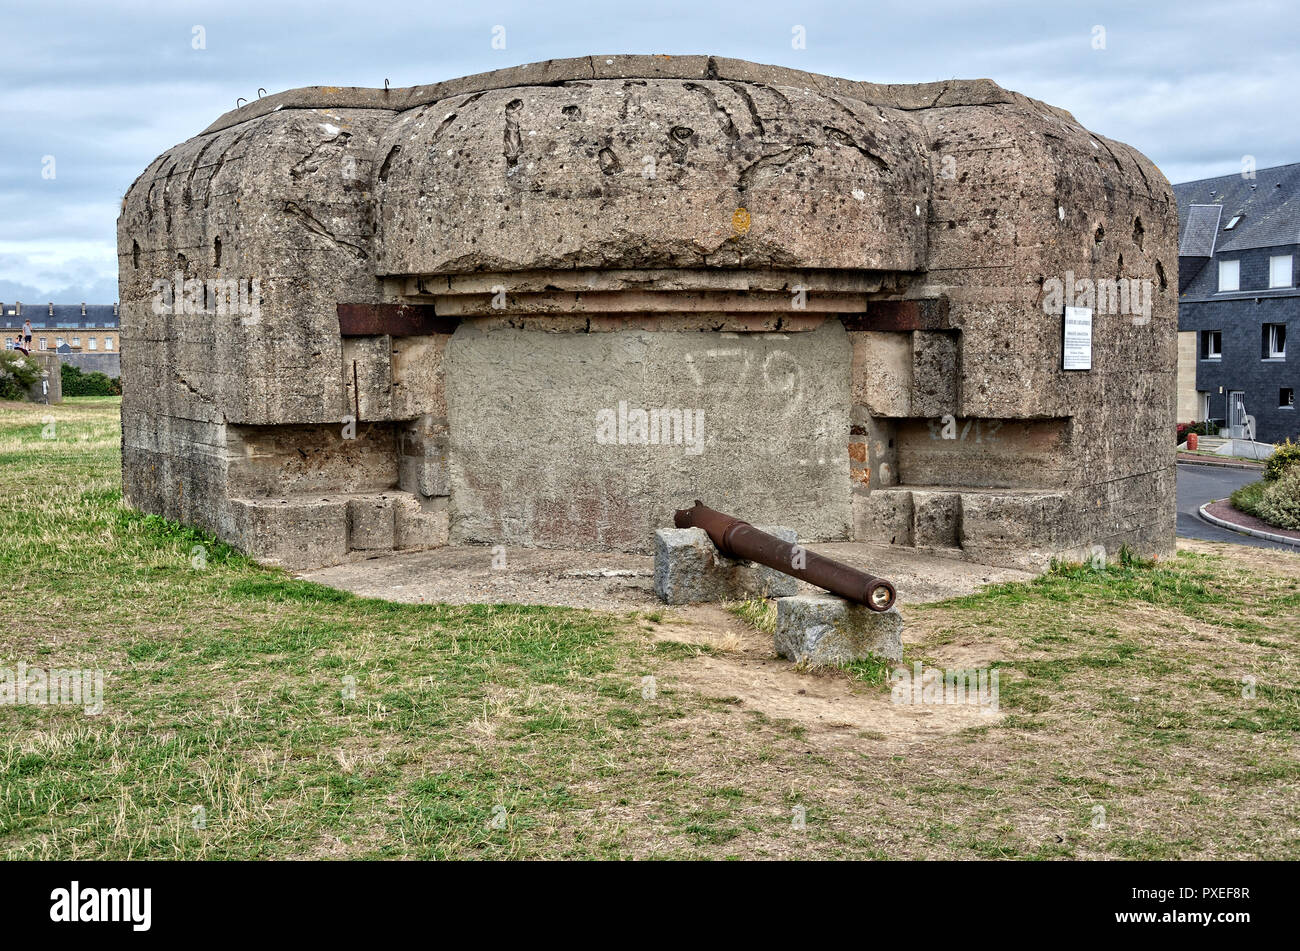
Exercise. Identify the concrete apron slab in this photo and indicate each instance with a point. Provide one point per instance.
(616, 581)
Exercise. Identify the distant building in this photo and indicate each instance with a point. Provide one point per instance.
(1239, 241)
(86, 335)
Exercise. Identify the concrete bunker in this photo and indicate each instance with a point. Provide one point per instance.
(549, 305)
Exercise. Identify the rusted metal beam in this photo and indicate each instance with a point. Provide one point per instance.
(901, 315)
(739, 539)
(397, 320)
(642, 302)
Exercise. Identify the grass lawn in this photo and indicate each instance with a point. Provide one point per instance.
(250, 715)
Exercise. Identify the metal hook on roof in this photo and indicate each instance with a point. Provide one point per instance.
(385, 85)
(260, 92)
(240, 101)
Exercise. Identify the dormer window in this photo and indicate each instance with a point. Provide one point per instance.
(1233, 222)
(1229, 275)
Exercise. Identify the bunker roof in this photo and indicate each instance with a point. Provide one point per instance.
(553, 72)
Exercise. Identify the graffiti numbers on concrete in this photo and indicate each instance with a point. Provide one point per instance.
(959, 430)
(739, 368)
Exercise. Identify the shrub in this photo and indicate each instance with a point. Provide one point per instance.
(1201, 429)
(1279, 504)
(77, 383)
(1246, 499)
(1286, 455)
(17, 373)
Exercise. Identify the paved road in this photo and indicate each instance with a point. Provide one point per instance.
(1198, 485)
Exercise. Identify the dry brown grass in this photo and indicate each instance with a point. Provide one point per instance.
(1119, 689)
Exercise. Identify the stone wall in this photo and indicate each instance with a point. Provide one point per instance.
(109, 364)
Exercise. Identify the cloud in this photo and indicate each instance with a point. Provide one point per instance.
(56, 275)
(104, 86)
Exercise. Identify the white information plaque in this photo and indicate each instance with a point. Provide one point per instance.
(1076, 353)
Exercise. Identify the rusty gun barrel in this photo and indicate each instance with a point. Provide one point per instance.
(739, 539)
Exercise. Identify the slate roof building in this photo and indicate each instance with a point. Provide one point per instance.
(1239, 240)
(86, 328)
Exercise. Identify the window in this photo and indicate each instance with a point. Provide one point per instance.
(1229, 275)
(94, 342)
(43, 345)
(1279, 270)
(1211, 344)
(76, 341)
(1286, 398)
(58, 341)
(1274, 341)
(108, 343)
(1232, 222)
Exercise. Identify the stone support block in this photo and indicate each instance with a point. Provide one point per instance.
(825, 629)
(689, 569)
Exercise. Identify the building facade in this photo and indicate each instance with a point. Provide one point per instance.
(1239, 307)
(86, 335)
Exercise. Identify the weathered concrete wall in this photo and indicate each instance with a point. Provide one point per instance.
(49, 388)
(282, 202)
(650, 173)
(614, 230)
(547, 432)
(1022, 197)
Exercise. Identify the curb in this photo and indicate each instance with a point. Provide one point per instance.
(1243, 530)
(1183, 460)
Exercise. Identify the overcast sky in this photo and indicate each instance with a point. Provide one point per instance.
(104, 86)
